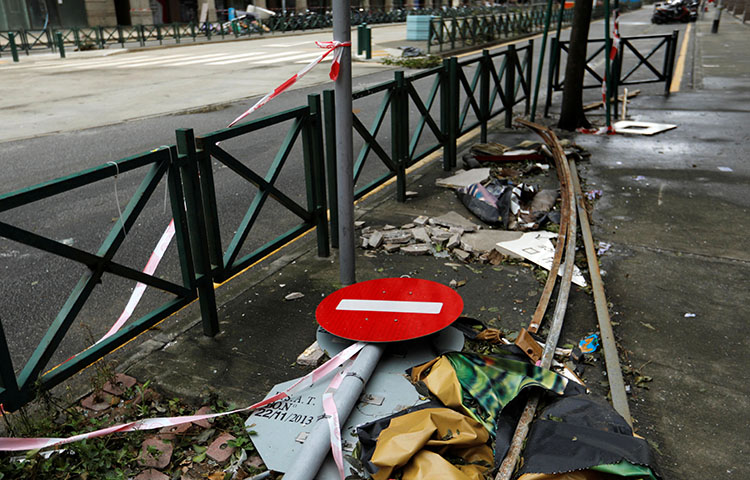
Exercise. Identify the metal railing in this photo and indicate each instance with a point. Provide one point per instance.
(426, 111)
(454, 32)
(631, 66)
(161, 164)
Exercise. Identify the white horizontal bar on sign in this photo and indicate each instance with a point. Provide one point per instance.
(393, 306)
(238, 60)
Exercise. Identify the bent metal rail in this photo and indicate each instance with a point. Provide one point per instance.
(422, 120)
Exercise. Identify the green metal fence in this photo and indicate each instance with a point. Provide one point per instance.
(454, 32)
(160, 164)
(418, 115)
(640, 60)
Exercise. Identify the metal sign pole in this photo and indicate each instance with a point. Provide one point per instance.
(344, 163)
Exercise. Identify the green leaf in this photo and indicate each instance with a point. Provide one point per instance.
(199, 458)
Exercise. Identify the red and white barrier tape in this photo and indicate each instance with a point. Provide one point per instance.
(332, 415)
(333, 46)
(140, 288)
(20, 444)
(615, 36)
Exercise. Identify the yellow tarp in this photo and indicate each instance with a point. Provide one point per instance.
(417, 440)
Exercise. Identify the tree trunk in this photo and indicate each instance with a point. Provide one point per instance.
(572, 115)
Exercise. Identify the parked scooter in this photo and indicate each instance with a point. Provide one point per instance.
(676, 11)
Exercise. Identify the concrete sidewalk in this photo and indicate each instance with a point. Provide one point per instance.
(674, 208)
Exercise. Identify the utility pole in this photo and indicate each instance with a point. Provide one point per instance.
(344, 164)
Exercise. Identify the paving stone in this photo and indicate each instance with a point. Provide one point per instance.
(416, 249)
(119, 384)
(486, 240)
(411, 194)
(388, 228)
(170, 432)
(420, 235)
(391, 247)
(397, 236)
(453, 241)
(205, 423)
(359, 224)
(464, 178)
(100, 401)
(461, 255)
(408, 226)
(365, 242)
(161, 456)
(219, 450)
(453, 219)
(151, 474)
(421, 220)
(376, 239)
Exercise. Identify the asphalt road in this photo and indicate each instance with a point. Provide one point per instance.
(72, 102)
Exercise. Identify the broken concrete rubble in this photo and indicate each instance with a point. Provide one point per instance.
(464, 178)
(453, 219)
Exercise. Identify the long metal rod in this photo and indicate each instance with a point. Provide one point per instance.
(318, 443)
(611, 358)
(522, 429)
(344, 165)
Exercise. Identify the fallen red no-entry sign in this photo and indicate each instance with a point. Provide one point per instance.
(389, 309)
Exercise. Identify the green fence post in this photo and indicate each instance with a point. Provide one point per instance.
(10, 397)
(367, 34)
(13, 48)
(449, 110)
(510, 84)
(360, 40)
(141, 35)
(197, 229)
(315, 173)
(176, 32)
(207, 26)
(484, 93)
(329, 110)
(77, 38)
(529, 76)
(120, 36)
(399, 134)
(159, 35)
(554, 56)
(669, 57)
(60, 44)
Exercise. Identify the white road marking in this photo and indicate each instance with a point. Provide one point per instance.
(152, 62)
(288, 58)
(393, 306)
(227, 62)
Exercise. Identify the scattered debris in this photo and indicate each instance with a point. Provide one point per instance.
(464, 178)
(603, 248)
(600, 103)
(725, 169)
(538, 248)
(455, 220)
(312, 356)
(593, 194)
(359, 224)
(589, 344)
(416, 249)
(294, 296)
(689, 315)
(642, 128)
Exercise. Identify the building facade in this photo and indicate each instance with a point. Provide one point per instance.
(40, 14)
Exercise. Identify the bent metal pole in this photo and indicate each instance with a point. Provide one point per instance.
(344, 164)
(568, 198)
(318, 443)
